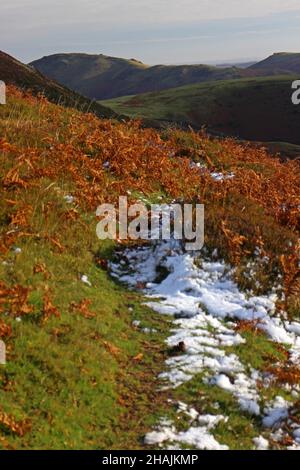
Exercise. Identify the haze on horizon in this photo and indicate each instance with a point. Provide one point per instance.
(160, 31)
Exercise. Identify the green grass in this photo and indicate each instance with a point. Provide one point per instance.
(258, 352)
(91, 382)
(258, 109)
(68, 376)
(240, 428)
(73, 378)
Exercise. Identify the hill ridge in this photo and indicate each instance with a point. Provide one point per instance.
(256, 109)
(25, 76)
(103, 77)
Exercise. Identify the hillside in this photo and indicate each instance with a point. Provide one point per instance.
(14, 72)
(102, 77)
(258, 109)
(87, 352)
(281, 63)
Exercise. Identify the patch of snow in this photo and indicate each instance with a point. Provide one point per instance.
(148, 331)
(294, 447)
(276, 412)
(243, 388)
(221, 176)
(198, 436)
(261, 443)
(222, 381)
(293, 327)
(296, 435)
(85, 280)
(69, 199)
(191, 291)
(217, 176)
(206, 304)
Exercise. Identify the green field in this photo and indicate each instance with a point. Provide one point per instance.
(258, 109)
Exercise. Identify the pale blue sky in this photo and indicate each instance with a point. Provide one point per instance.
(154, 31)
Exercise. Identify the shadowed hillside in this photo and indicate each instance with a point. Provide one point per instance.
(101, 77)
(281, 63)
(258, 109)
(24, 76)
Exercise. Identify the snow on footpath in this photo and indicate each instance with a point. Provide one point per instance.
(206, 305)
(197, 435)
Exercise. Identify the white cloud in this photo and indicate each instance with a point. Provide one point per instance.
(148, 29)
(113, 12)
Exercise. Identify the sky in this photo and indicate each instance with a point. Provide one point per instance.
(153, 31)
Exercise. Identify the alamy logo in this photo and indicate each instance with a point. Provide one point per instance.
(296, 94)
(2, 353)
(2, 92)
(157, 222)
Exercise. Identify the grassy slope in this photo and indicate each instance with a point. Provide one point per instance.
(14, 72)
(84, 377)
(240, 429)
(279, 63)
(74, 378)
(102, 77)
(257, 109)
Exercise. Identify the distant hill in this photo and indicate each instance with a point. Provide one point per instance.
(280, 63)
(24, 76)
(240, 65)
(102, 77)
(257, 109)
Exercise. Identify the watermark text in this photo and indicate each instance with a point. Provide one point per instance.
(2, 92)
(157, 222)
